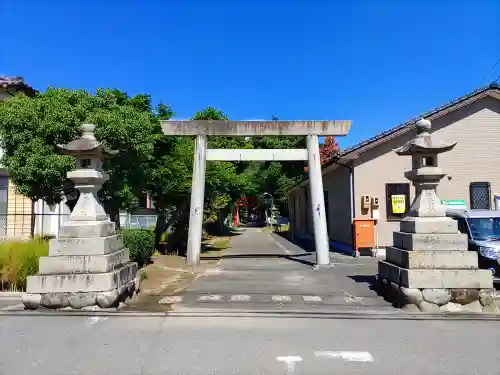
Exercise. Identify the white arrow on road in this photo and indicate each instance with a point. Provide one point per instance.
(290, 362)
(347, 356)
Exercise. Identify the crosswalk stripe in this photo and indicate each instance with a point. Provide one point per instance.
(213, 297)
(240, 298)
(281, 298)
(312, 298)
(247, 298)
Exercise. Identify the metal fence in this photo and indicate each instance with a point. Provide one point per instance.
(130, 221)
(22, 225)
(15, 226)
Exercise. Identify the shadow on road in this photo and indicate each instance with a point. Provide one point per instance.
(292, 257)
(373, 285)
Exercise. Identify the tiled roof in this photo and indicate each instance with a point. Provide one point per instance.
(411, 122)
(16, 83)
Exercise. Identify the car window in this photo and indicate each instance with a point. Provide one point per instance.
(462, 226)
(485, 228)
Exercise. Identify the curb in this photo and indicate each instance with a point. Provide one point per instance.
(209, 313)
(11, 295)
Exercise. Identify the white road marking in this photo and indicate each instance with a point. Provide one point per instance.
(240, 298)
(290, 362)
(214, 271)
(312, 298)
(288, 252)
(213, 297)
(96, 319)
(281, 298)
(347, 356)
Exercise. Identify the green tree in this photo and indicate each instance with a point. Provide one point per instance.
(30, 129)
(276, 177)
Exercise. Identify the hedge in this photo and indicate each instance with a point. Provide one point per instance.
(141, 244)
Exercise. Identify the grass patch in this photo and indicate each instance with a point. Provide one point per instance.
(18, 260)
(220, 244)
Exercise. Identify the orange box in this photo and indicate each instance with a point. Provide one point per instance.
(364, 234)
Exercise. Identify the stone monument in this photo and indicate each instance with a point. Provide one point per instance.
(87, 265)
(429, 267)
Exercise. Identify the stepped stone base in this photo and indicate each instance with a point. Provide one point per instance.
(428, 225)
(435, 278)
(83, 263)
(85, 245)
(81, 300)
(432, 259)
(430, 242)
(89, 282)
(87, 229)
(441, 300)
(77, 291)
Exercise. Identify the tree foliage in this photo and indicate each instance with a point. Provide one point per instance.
(31, 128)
(328, 150)
(147, 162)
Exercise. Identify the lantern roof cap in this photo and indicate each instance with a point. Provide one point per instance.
(86, 144)
(423, 142)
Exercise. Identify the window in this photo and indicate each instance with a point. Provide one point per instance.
(484, 228)
(86, 163)
(480, 195)
(462, 226)
(397, 200)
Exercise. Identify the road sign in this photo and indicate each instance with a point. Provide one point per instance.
(398, 203)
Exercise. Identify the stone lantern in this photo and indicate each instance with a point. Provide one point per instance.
(425, 176)
(429, 267)
(88, 264)
(88, 176)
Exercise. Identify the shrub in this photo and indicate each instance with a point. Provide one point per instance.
(18, 260)
(141, 244)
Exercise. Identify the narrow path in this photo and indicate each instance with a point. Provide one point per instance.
(265, 271)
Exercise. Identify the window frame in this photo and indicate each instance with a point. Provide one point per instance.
(482, 184)
(390, 216)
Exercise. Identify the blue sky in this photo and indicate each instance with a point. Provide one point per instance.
(375, 62)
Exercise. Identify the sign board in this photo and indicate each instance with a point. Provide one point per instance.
(398, 203)
(458, 204)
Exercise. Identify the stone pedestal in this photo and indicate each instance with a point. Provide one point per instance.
(88, 264)
(429, 267)
(83, 271)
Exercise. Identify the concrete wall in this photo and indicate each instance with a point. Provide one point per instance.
(19, 211)
(337, 185)
(49, 219)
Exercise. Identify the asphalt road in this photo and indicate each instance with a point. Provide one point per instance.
(173, 345)
(263, 271)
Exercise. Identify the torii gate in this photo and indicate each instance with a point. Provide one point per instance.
(204, 128)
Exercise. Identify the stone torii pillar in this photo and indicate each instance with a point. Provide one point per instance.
(202, 129)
